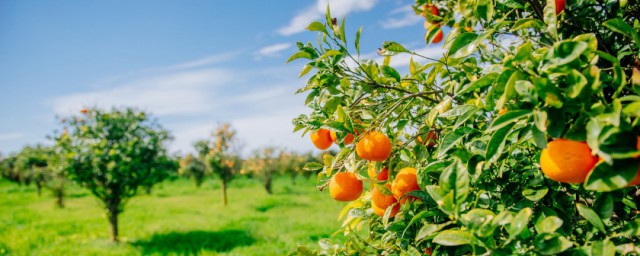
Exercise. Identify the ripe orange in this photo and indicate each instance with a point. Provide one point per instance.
(428, 251)
(321, 139)
(347, 139)
(84, 111)
(405, 182)
(439, 36)
(560, 6)
(345, 186)
(380, 202)
(430, 139)
(502, 111)
(430, 8)
(468, 29)
(383, 175)
(374, 146)
(567, 161)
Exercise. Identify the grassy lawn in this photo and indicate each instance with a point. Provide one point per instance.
(176, 219)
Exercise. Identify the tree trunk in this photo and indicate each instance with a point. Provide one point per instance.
(148, 189)
(39, 188)
(224, 191)
(112, 213)
(267, 184)
(59, 192)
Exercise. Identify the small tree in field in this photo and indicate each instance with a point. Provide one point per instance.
(265, 164)
(113, 154)
(193, 167)
(222, 157)
(9, 171)
(522, 138)
(31, 162)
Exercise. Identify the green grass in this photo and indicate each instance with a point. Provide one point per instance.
(176, 219)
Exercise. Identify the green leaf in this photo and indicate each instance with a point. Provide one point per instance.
(496, 142)
(298, 55)
(463, 45)
(519, 222)
(429, 229)
(312, 166)
(453, 238)
(605, 178)
(394, 47)
(358, 40)
(455, 179)
(618, 25)
(604, 248)
(577, 82)
(535, 194)
(528, 23)
(550, 18)
(550, 244)
(590, 216)
(603, 205)
(317, 26)
(305, 70)
(465, 116)
(508, 118)
(451, 138)
(484, 81)
(390, 72)
(631, 229)
(549, 224)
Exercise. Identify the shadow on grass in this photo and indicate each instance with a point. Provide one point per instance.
(194, 242)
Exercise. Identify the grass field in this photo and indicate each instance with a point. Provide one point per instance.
(176, 219)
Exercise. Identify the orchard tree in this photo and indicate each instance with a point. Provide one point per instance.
(31, 162)
(9, 171)
(519, 140)
(265, 164)
(113, 154)
(222, 157)
(193, 167)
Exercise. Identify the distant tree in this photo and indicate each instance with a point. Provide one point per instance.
(166, 167)
(223, 158)
(265, 164)
(193, 167)
(113, 153)
(31, 162)
(9, 171)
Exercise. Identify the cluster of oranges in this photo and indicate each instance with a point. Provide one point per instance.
(570, 161)
(345, 186)
(373, 146)
(432, 9)
(323, 138)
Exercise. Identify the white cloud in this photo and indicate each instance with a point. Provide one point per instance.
(407, 18)
(339, 8)
(11, 136)
(185, 92)
(273, 50)
(204, 61)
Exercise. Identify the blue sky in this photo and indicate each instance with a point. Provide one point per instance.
(192, 64)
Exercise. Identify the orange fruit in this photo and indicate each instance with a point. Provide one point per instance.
(560, 6)
(439, 36)
(502, 111)
(430, 140)
(430, 8)
(567, 161)
(428, 251)
(347, 139)
(321, 139)
(374, 146)
(380, 211)
(468, 29)
(345, 186)
(84, 111)
(380, 199)
(406, 181)
(383, 175)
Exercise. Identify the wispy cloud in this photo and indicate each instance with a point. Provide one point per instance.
(185, 92)
(11, 136)
(273, 50)
(402, 17)
(339, 8)
(202, 62)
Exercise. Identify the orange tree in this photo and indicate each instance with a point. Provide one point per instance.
(113, 154)
(518, 79)
(222, 157)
